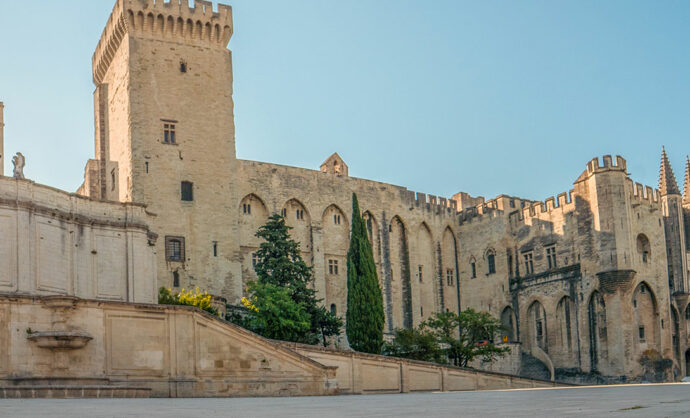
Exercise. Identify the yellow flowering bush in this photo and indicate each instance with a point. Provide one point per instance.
(249, 304)
(201, 300)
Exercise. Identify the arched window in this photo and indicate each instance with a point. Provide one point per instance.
(334, 310)
(473, 268)
(643, 248)
(491, 261)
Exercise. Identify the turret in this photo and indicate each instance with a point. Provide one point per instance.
(672, 210)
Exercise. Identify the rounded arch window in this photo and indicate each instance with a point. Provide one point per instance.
(643, 248)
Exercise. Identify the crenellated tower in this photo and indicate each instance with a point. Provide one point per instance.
(165, 134)
(674, 225)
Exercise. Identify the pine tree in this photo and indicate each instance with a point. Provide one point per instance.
(365, 318)
(280, 265)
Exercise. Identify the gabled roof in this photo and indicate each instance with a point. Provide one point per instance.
(334, 165)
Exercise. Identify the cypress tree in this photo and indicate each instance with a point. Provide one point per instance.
(365, 317)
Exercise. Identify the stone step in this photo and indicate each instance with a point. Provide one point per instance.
(73, 391)
(532, 368)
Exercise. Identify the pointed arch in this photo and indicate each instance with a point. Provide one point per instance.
(252, 214)
(508, 321)
(399, 288)
(675, 333)
(425, 272)
(565, 321)
(537, 326)
(449, 271)
(335, 241)
(646, 317)
(490, 257)
(334, 210)
(598, 332)
(299, 219)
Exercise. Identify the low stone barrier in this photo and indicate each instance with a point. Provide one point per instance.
(360, 373)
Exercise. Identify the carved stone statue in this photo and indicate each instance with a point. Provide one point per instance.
(18, 161)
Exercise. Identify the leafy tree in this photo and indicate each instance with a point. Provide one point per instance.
(274, 314)
(468, 335)
(201, 300)
(461, 338)
(281, 265)
(365, 317)
(416, 344)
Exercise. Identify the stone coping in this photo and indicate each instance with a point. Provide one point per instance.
(379, 357)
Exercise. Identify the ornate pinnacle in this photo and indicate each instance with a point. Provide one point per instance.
(667, 180)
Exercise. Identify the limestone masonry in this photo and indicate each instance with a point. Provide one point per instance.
(585, 282)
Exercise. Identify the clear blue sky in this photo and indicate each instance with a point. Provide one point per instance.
(439, 96)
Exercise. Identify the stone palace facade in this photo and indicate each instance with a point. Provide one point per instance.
(585, 282)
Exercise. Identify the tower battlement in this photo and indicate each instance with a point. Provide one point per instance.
(172, 19)
(594, 166)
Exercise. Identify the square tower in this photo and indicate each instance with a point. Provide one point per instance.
(165, 135)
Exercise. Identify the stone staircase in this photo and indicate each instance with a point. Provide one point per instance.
(532, 368)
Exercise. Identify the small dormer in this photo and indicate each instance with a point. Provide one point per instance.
(334, 165)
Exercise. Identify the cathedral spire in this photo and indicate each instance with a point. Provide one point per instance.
(686, 186)
(667, 181)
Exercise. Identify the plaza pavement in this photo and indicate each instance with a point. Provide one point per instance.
(653, 400)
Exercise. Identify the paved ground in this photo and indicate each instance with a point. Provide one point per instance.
(669, 400)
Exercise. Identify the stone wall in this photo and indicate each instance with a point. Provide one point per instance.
(52, 242)
(175, 351)
(359, 373)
